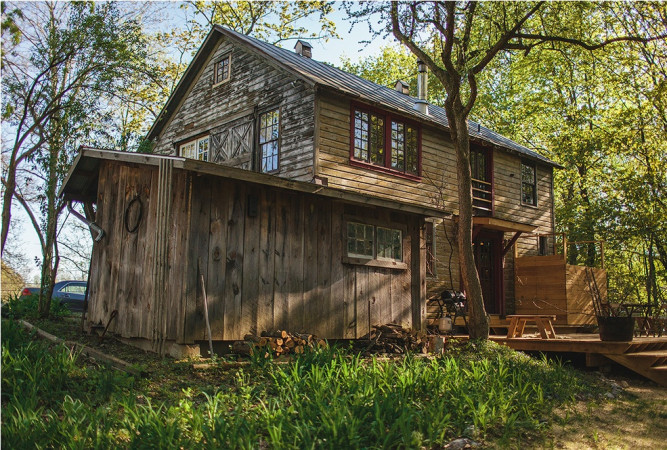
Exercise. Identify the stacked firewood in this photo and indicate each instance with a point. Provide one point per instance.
(277, 342)
(393, 338)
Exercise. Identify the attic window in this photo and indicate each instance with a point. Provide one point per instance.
(222, 70)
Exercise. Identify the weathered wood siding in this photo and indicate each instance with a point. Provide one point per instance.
(121, 267)
(282, 268)
(227, 109)
(507, 197)
(271, 259)
(437, 188)
(438, 183)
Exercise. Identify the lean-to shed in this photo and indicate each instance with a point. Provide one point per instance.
(272, 253)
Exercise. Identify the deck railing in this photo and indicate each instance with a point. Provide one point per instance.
(560, 245)
(482, 197)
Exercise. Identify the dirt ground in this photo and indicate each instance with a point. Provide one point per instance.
(631, 415)
(635, 418)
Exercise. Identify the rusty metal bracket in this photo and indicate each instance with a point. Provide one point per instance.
(114, 314)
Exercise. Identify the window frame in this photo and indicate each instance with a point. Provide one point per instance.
(387, 117)
(278, 140)
(533, 165)
(375, 260)
(216, 64)
(195, 141)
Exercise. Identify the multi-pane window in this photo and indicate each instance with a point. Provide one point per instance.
(369, 137)
(195, 149)
(269, 137)
(397, 149)
(528, 184)
(404, 148)
(374, 242)
(389, 244)
(359, 240)
(221, 70)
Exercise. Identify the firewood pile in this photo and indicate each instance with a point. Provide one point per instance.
(277, 342)
(393, 338)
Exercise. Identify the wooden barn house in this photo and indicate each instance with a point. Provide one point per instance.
(305, 198)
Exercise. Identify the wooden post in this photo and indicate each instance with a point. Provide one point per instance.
(208, 324)
(602, 254)
(565, 247)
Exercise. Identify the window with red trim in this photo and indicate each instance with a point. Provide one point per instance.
(384, 140)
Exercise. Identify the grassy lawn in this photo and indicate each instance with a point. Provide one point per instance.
(326, 398)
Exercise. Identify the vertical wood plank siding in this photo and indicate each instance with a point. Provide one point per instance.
(278, 269)
(255, 85)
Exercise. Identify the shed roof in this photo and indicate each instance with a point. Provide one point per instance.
(81, 181)
(322, 74)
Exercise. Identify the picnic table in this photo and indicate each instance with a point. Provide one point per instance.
(542, 321)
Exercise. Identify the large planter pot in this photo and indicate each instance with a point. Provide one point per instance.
(616, 328)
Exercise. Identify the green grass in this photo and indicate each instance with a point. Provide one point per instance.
(326, 398)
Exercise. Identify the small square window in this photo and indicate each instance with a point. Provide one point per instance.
(389, 244)
(222, 70)
(359, 240)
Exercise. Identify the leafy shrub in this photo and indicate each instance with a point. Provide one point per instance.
(27, 307)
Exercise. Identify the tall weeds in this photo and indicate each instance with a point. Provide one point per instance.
(327, 398)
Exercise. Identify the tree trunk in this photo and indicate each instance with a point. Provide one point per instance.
(478, 322)
(7, 196)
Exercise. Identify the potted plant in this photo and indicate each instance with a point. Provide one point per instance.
(615, 321)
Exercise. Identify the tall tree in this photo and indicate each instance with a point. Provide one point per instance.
(271, 21)
(70, 57)
(458, 41)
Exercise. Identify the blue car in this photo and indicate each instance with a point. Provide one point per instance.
(70, 293)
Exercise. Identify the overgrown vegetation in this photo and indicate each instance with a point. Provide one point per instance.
(27, 307)
(328, 398)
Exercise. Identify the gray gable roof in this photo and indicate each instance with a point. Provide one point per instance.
(328, 76)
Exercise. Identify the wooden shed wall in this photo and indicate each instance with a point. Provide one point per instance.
(280, 268)
(283, 269)
(255, 85)
(121, 265)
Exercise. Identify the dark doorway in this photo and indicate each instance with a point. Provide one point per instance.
(488, 259)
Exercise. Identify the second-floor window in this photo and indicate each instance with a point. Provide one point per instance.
(528, 184)
(385, 141)
(195, 149)
(269, 140)
(221, 69)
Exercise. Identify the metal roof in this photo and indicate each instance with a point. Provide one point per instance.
(328, 76)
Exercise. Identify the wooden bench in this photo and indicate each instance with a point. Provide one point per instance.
(543, 323)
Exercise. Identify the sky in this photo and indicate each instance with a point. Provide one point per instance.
(352, 45)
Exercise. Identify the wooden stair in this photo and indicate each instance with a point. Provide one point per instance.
(648, 359)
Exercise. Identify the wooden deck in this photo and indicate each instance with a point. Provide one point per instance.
(646, 356)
